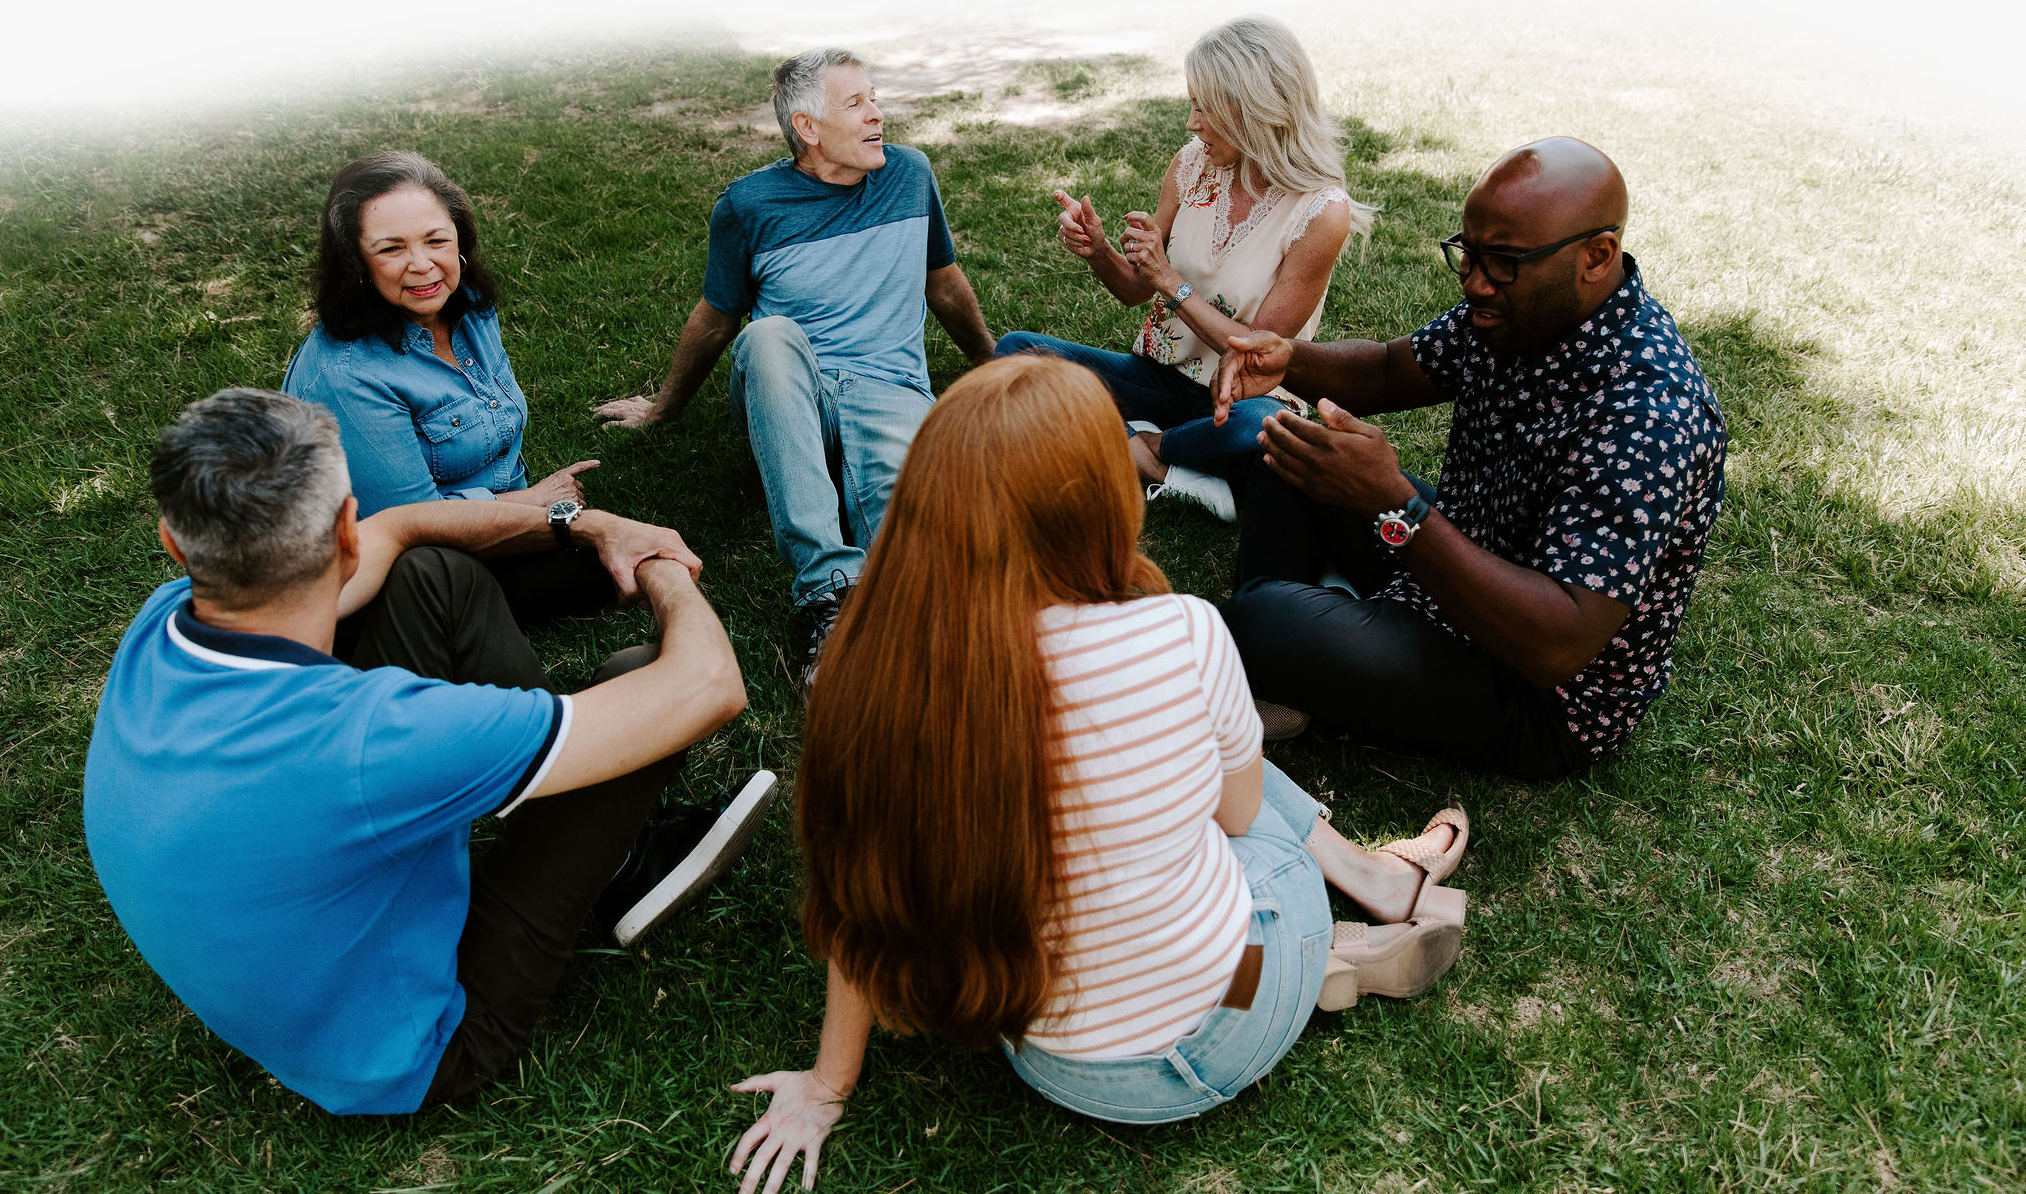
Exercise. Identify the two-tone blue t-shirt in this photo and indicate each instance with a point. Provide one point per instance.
(286, 840)
(846, 263)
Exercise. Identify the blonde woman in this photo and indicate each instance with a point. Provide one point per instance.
(1251, 219)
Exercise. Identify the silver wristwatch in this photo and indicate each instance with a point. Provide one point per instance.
(561, 515)
(1182, 294)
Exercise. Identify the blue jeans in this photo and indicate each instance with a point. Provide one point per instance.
(802, 418)
(1231, 1049)
(1159, 394)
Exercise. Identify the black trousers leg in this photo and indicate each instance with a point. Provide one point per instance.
(542, 586)
(442, 614)
(1286, 535)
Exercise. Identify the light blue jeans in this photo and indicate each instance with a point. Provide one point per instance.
(1231, 1049)
(801, 419)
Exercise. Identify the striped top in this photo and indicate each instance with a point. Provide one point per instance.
(1154, 711)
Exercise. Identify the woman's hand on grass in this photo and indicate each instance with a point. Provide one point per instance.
(562, 483)
(798, 1120)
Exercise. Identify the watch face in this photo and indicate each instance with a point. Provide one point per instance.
(565, 510)
(1395, 531)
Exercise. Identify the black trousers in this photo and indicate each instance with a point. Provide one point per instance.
(542, 586)
(1372, 667)
(442, 614)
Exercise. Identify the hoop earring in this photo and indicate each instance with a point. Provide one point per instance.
(462, 264)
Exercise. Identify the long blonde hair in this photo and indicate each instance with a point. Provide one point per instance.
(927, 774)
(1255, 83)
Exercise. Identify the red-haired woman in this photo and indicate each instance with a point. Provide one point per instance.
(1034, 812)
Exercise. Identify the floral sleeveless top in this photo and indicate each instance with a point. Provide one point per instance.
(1231, 267)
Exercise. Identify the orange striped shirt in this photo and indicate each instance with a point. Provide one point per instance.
(1153, 712)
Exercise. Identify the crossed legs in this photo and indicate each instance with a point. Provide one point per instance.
(441, 614)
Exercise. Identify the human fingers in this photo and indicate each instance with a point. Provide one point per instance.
(1307, 432)
(809, 1164)
(1139, 219)
(1089, 214)
(580, 466)
(760, 1082)
(1070, 206)
(756, 1166)
(1343, 420)
(778, 1171)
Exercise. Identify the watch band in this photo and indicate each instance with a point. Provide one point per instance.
(561, 515)
(1396, 528)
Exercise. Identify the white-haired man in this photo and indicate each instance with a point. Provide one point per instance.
(834, 252)
(284, 833)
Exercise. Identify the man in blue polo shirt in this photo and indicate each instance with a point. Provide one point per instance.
(285, 835)
(836, 253)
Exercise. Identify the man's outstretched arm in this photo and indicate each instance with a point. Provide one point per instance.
(704, 337)
(692, 688)
(956, 307)
(1364, 377)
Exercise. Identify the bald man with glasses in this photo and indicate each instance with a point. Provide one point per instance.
(1521, 617)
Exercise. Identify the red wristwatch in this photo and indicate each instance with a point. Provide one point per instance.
(1396, 527)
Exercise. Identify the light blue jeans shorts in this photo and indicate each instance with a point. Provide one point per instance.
(1231, 1049)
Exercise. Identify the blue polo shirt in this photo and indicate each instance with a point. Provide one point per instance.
(285, 838)
(846, 263)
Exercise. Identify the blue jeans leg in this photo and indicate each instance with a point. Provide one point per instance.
(876, 421)
(1231, 1049)
(1151, 392)
(793, 415)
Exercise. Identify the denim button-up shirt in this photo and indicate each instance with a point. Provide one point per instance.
(416, 429)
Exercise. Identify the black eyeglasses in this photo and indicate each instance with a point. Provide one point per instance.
(1501, 268)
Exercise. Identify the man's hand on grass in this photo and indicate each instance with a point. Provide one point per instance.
(631, 414)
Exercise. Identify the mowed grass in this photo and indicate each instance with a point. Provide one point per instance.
(1776, 944)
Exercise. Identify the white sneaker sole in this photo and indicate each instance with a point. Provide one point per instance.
(707, 860)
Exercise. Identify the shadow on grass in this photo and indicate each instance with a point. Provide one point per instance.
(139, 278)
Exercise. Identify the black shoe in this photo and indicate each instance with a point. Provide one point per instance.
(678, 855)
(814, 618)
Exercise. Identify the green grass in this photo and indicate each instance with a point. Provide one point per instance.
(1777, 944)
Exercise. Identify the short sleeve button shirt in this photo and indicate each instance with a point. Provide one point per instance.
(1599, 462)
(415, 427)
(286, 840)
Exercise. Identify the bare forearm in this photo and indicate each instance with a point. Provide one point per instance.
(1365, 377)
(847, 1023)
(955, 305)
(1119, 276)
(1544, 630)
(704, 337)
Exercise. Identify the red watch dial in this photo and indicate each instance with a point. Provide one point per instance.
(1395, 531)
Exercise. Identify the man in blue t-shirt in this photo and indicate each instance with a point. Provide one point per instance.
(285, 833)
(836, 253)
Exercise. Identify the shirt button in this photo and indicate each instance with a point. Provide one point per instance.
(467, 362)
(456, 422)
(495, 404)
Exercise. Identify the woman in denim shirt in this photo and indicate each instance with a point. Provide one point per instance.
(407, 354)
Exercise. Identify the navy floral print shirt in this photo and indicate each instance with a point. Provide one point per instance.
(1599, 462)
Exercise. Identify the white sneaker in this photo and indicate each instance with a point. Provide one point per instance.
(1211, 493)
(1142, 427)
(679, 875)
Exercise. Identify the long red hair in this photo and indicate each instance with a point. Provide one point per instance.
(927, 769)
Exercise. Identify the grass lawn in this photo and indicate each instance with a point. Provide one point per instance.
(1777, 943)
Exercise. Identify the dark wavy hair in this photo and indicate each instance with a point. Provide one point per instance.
(346, 302)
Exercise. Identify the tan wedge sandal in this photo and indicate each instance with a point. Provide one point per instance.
(1397, 961)
(1433, 901)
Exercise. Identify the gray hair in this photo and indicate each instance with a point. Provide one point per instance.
(250, 483)
(800, 85)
